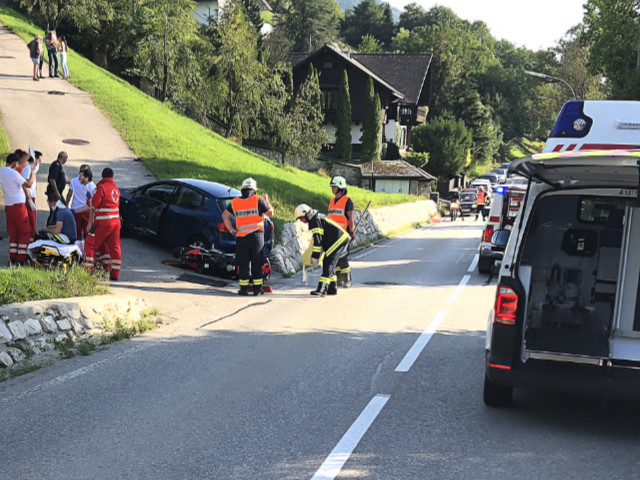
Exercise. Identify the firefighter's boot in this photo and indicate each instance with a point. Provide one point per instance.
(333, 289)
(244, 290)
(321, 291)
(344, 280)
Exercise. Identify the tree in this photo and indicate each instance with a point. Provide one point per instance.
(413, 16)
(169, 28)
(302, 133)
(254, 14)
(368, 18)
(52, 12)
(370, 44)
(236, 73)
(371, 125)
(343, 120)
(309, 23)
(611, 31)
(447, 142)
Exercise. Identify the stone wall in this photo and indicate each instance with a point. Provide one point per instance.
(31, 328)
(287, 256)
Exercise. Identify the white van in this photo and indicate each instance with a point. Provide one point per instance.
(567, 309)
(595, 125)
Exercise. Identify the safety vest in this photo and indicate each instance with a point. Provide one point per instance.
(106, 201)
(248, 220)
(481, 199)
(337, 211)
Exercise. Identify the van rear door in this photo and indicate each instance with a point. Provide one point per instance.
(572, 252)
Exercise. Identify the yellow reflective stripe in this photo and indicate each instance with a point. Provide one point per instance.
(318, 230)
(257, 281)
(324, 280)
(346, 270)
(334, 278)
(244, 283)
(336, 245)
(316, 249)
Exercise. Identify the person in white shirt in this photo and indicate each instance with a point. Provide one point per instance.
(25, 165)
(12, 184)
(80, 191)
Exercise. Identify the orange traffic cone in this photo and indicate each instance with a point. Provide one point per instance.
(436, 218)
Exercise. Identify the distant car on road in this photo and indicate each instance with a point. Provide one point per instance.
(180, 212)
(492, 177)
(502, 174)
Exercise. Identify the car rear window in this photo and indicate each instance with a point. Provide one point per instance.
(223, 203)
(467, 196)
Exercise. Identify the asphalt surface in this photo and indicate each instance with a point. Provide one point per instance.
(272, 389)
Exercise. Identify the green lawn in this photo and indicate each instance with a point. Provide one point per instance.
(171, 145)
(23, 284)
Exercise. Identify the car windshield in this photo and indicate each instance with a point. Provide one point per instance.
(468, 196)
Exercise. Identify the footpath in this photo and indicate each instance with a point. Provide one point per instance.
(53, 116)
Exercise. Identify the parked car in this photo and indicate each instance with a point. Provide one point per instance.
(566, 313)
(501, 173)
(481, 182)
(507, 200)
(180, 212)
(493, 179)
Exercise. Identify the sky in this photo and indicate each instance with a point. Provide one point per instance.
(535, 24)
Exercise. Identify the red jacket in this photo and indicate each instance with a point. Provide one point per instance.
(106, 201)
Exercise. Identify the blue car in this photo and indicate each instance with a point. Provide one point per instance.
(182, 212)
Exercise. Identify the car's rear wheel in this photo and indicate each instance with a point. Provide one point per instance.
(198, 241)
(485, 265)
(497, 395)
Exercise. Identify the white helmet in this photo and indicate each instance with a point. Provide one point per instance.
(302, 210)
(339, 182)
(249, 183)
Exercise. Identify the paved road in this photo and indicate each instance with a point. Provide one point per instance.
(271, 389)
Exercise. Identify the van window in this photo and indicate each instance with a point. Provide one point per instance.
(596, 210)
(571, 253)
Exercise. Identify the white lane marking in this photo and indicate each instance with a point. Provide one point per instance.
(331, 467)
(459, 288)
(83, 370)
(474, 263)
(415, 351)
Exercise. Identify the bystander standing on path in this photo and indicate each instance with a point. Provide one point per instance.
(35, 52)
(57, 179)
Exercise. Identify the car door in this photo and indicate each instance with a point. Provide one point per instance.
(184, 218)
(149, 203)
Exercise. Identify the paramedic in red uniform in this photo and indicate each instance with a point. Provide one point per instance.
(105, 217)
(341, 211)
(18, 226)
(249, 210)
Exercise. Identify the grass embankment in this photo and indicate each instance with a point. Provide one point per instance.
(19, 285)
(525, 147)
(171, 145)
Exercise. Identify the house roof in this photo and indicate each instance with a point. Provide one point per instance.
(393, 169)
(406, 72)
(403, 74)
(298, 59)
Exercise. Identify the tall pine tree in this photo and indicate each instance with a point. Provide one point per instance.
(371, 125)
(343, 120)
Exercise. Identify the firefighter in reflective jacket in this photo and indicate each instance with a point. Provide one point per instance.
(481, 201)
(341, 211)
(328, 237)
(249, 210)
(104, 226)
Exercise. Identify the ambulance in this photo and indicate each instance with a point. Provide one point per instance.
(567, 306)
(595, 125)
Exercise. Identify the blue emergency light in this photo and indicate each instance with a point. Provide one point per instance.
(572, 122)
(501, 190)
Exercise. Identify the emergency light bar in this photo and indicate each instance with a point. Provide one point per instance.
(573, 123)
(501, 190)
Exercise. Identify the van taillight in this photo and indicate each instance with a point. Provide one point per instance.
(222, 228)
(506, 306)
(488, 233)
